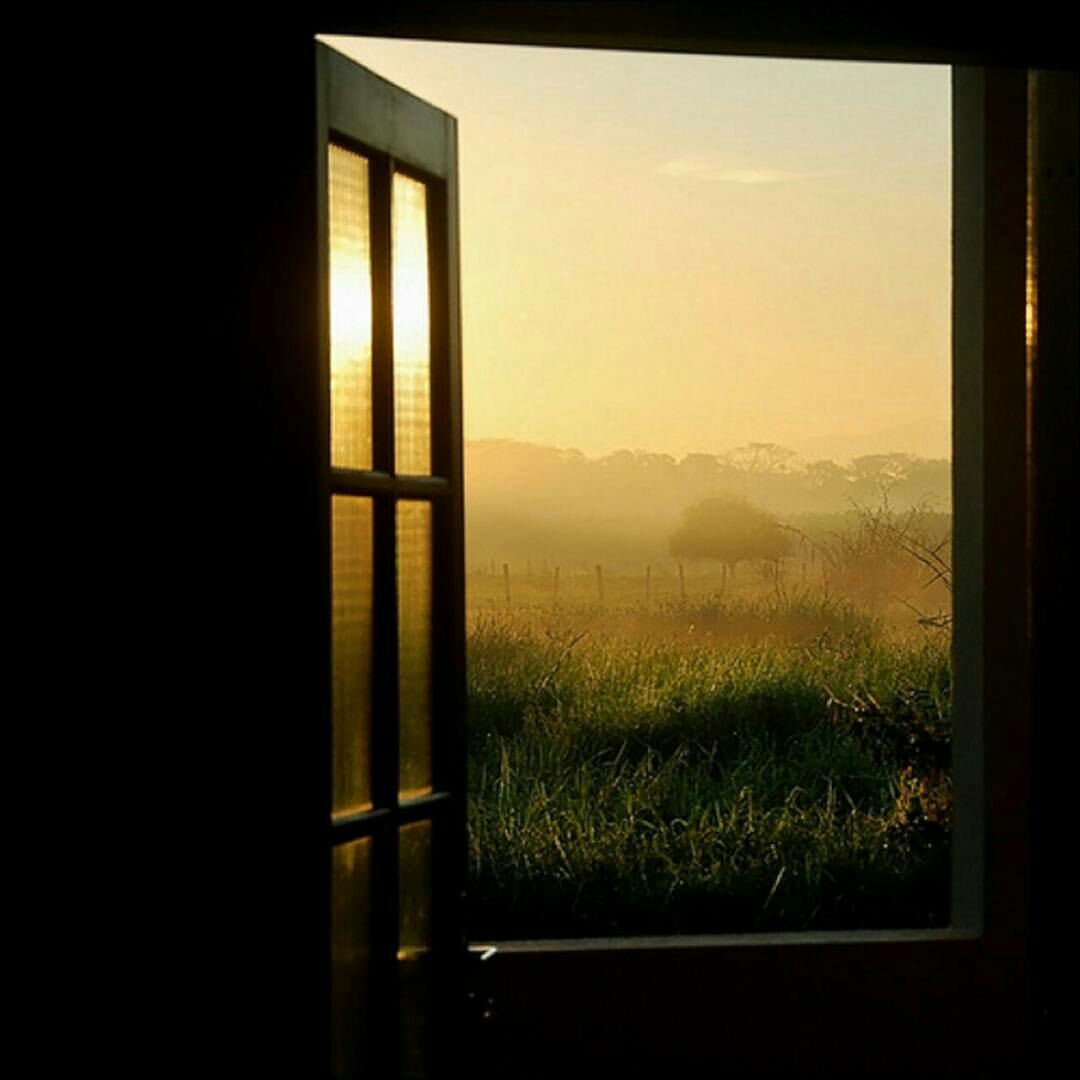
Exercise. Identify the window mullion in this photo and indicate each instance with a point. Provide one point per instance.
(382, 332)
(384, 704)
(348, 827)
(357, 482)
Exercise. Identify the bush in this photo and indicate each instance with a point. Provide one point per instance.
(730, 529)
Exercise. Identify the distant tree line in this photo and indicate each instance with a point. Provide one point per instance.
(530, 501)
(771, 476)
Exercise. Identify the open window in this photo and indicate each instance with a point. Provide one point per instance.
(958, 1001)
(546, 993)
(389, 349)
(770, 1002)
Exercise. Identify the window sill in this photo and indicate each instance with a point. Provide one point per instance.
(830, 938)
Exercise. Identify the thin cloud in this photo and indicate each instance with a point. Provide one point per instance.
(715, 171)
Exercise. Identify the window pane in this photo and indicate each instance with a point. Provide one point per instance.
(350, 311)
(350, 955)
(415, 900)
(352, 557)
(414, 644)
(412, 328)
(414, 944)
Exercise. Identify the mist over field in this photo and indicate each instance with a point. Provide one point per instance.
(706, 695)
(529, 504)
(708, 692)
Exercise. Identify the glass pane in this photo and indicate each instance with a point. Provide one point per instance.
(414, 645)
(414, 942)
(350, 955)
(352, 559)
(412, 328)
(415, 899)
(350, 311)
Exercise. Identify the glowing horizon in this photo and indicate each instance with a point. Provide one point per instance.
(686, 253)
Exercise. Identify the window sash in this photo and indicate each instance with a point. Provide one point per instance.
(398, 134)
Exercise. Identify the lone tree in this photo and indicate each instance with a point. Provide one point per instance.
(731, 529)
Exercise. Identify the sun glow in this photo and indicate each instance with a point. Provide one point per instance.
(350, 311)
(690, 253)
(412, 327)
(350, 308)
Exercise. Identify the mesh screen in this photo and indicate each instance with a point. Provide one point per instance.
(414, 644)
(412, 328)
(350, 957)
(351, 643)
(350, 311)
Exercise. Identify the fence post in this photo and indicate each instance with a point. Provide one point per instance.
(556, 585)
(648, 585)
(506, 582)
(600, 583)
(682, 583)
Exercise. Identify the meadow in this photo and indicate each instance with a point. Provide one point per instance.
(655, 752)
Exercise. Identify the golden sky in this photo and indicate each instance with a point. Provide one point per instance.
(687, 253)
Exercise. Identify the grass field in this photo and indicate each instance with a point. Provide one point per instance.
(754, 759)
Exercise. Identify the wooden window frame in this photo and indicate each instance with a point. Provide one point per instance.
(888, 1018)
(398, 134)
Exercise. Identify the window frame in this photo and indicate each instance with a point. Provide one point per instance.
(268, 922)
(540, 987)
(876, 980)
(399, 134)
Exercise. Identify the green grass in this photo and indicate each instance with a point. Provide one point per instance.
(683, 771)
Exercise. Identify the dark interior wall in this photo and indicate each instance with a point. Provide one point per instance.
(1055, 449)
(258, 922)
(254, 918)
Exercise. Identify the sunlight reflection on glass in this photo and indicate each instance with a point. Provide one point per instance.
(350, 311)
(350, 954)
(414, 644)
(416, 884)
(412, 328)
(351, 646)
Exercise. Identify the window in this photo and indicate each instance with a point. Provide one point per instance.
(389, 348)
(811, 980)
(729, 249)
(958, 1003)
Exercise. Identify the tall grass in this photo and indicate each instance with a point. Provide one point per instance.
(697, 769)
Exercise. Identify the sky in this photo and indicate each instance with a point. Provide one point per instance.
(684, 254)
